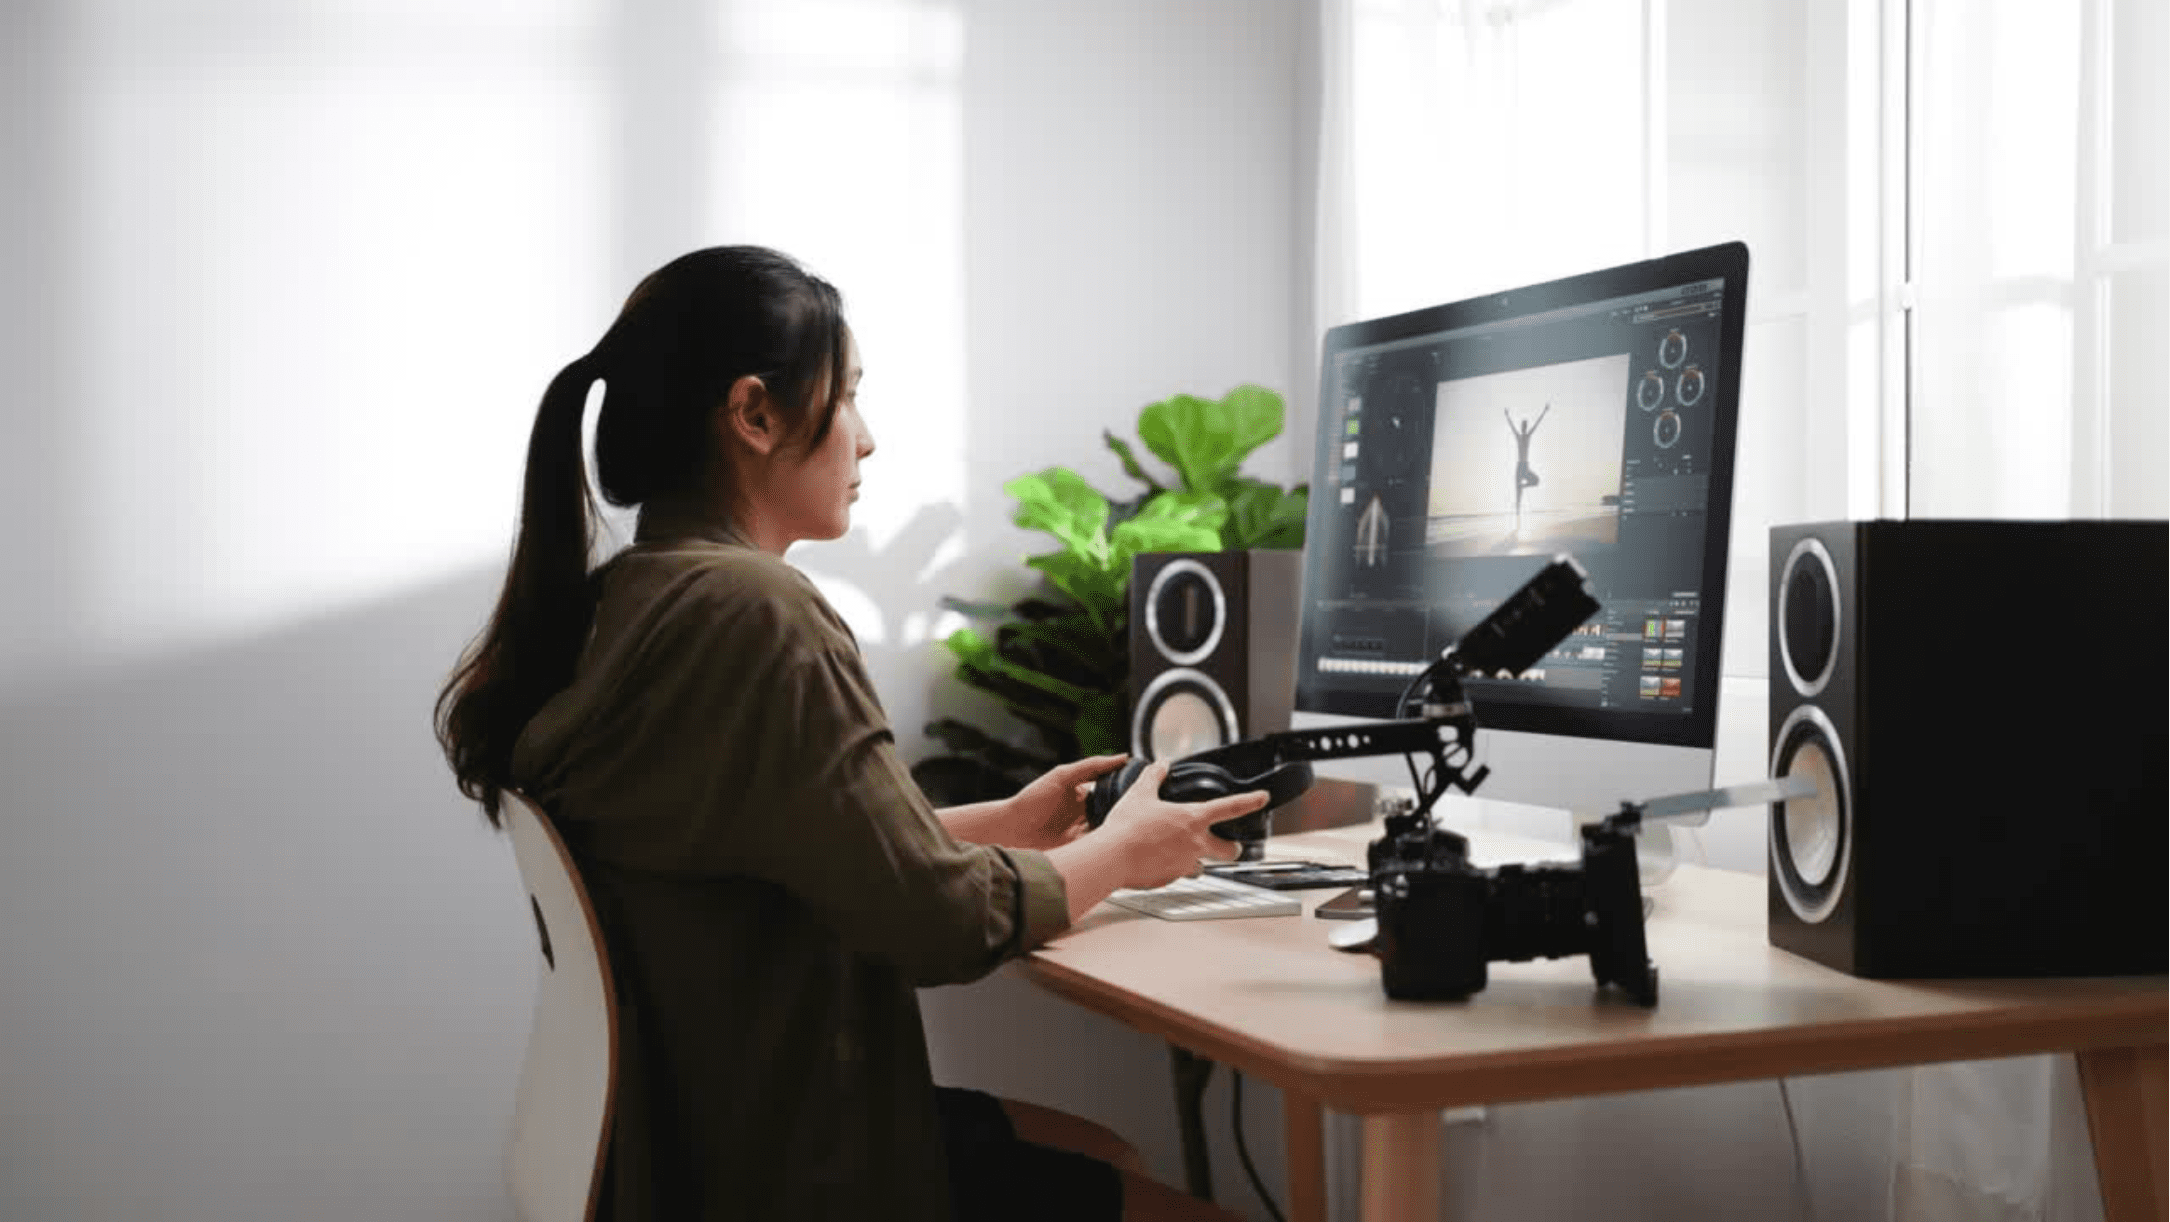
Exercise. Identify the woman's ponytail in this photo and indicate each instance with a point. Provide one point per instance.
(533, 641)
(687, 334)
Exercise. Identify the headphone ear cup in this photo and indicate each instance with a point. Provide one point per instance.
(1281, 785)
(1286, 783)
(1194, 781)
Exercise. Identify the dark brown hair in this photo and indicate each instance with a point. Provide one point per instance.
(688, 332)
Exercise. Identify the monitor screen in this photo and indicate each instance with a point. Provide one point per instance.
(1461, 447)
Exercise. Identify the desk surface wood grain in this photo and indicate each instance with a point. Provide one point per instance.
(1268, 996)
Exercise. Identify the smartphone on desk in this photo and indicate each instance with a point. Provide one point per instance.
(1354, 904)
(1290, 875)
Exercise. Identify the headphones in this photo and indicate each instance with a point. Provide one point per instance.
(1243, 767)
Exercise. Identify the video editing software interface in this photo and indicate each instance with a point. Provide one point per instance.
(1454, 463)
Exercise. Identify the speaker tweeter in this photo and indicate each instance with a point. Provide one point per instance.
(1212, 648)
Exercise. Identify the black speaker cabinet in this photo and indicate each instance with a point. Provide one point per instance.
(1212, 648)
(1982, 708)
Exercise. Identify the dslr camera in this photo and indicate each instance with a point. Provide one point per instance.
(1441, 920)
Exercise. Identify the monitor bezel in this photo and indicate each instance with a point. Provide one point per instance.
(1726, 261)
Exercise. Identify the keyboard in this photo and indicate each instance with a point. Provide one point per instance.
(1207, 899)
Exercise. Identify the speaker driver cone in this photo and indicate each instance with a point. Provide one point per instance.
(1808, 617)
(1811, 838)
(1181, 712)
(1185, 612)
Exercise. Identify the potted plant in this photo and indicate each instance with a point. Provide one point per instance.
(1058, 660)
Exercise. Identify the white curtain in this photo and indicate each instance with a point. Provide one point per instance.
(1468, 145)
(2041, 216)
(1959, 306)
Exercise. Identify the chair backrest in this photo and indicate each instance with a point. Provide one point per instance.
(568, 1081)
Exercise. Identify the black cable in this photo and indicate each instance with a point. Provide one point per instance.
(1401, 709)
(1235, 1117)
(1803, 1200)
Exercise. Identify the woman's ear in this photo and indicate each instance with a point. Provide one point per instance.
(749, 417)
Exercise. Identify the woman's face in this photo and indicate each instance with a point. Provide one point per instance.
(821, 482)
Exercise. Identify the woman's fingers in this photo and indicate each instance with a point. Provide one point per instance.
(1220, 810)
(1233, 806)
(1090, 769)
(1148, 781)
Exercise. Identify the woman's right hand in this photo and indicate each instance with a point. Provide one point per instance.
(1161, 841)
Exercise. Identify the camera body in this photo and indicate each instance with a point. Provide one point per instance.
(1441, 919)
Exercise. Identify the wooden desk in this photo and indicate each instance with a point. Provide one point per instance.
(1270, 998)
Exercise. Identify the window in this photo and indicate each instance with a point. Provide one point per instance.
(1960, 278)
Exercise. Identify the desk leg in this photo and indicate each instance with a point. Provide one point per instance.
(1192, 1072)
(1303, 1123)
(1400, 1172)
(2124, 1089)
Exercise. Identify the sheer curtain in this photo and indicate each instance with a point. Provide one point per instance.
(1959, 303)
(2040, 220)
(1474, 145)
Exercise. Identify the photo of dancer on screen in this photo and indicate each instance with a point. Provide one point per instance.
(1473, 510)
(1523, 476)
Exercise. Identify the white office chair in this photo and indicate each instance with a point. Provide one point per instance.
(568, 1083)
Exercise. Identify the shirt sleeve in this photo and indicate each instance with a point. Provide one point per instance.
(813, 797)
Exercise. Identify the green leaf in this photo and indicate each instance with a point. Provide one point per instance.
(1061, 503)
(1120, 512)
(1045, 682)
(1142, 534)
(1187, 433)
(978, 654)
(1075, 639)
(1262, 516)
(1286, 527)
(1205, 440)
(969, 740)
(1206, 510)
(955, 780)
(1058, 724)
(1092, 583)
(1255, 414)
(1035, 609)
(975, 610)
(1103, 728)
(1130, 460)
(1019, 697)
(969, 646)
(1058, 660)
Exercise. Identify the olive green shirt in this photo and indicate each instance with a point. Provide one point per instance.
(772, 887)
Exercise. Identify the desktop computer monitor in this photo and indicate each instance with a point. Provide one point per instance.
(1460, 447)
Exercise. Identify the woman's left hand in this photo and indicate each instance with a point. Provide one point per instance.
(1051, 810)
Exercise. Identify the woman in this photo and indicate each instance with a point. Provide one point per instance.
(698, 723)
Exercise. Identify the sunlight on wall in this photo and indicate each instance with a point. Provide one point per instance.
(324, 257)
(322, 262)
(839, 137)
(1480, 160)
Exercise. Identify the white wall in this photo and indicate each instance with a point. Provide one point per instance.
(1133, 174)
(278, 287)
